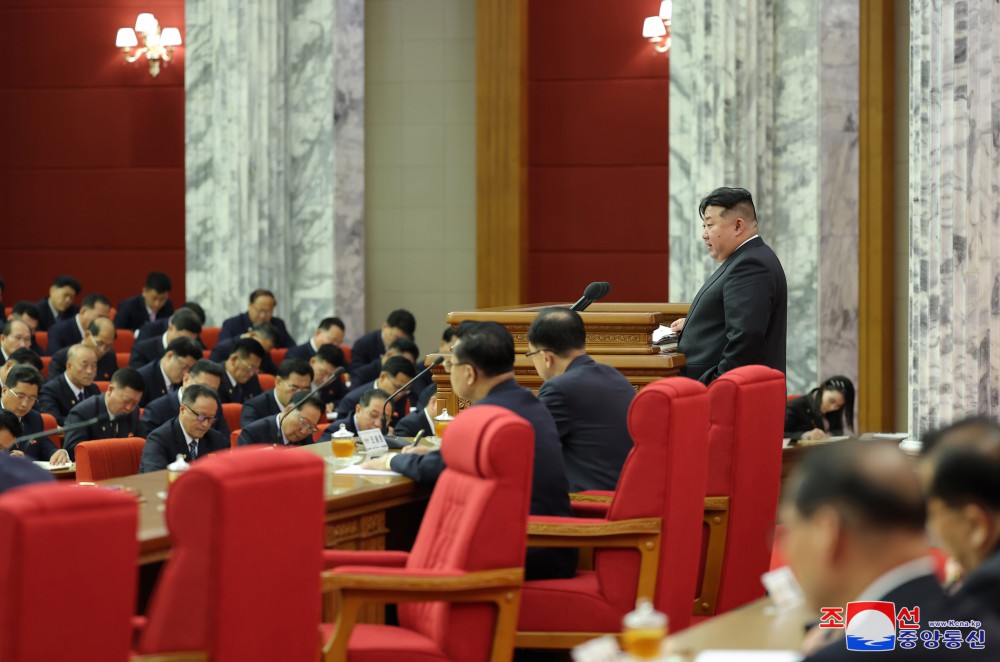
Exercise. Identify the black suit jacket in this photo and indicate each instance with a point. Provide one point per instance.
(40, 449)
(236, 326)
(124, 426)
(166, 442)
(63, 334)
(156, 387)
(803, 415)
(150, 329)
(241, 392)
(304, 351)
(132, 313)
(146, 351)
(590, 403)
(224, 348)
(166, 407)
(57, 398)
(265, 431)
(349, 402)
(366, 357)
(348, 424)
(739, 317)
(46, 319)
(413, 423)
(982, 585)
(17, 471)
(549, 491)
(258, 407)
(106, 365)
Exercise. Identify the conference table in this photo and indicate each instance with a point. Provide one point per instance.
(758, 625)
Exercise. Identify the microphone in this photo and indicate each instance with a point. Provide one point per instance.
(56, 430)
(594, 292)
(385, 418)
(336, 375)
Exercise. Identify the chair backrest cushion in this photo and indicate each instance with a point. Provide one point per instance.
(101, 459)
(233, 412)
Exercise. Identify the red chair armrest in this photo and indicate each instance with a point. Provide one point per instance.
(333, 558)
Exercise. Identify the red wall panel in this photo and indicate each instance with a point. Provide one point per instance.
(92, 158)
(598, 151)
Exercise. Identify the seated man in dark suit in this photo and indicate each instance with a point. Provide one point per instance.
(588, 400)
(482, 372)
(294, 376)
(20, 392)
(71, 331)
(326, 361)
(183, 323)
(295, 428)
(190, 434)
(265, 334)
(166, 375)
(16, 471)
(242, 365)
(58, 306)
(399, 347)
(368, 350)
(367, 414)
(260, 311)
(396, 371)
(329, 332)
(162, 409)
(117, 410)
(154, 303)
(423, 418)
(20, 357)
(14, 335)
(27, 312)
(159, 326)
(100, 336)
(58, 396)
(961, 470)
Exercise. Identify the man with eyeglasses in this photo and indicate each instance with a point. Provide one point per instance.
(260, 311)
(294, 375)
(189, 435)
(71, 331)
(165, 376)
(15, 335)
(58, 396)
(20, 392)
(100, 336)
(164, 408)
(242, 365)
(328, 358)
(117, 411)
(287, 429)
(27, 312)
(396, 371)
(367, 414)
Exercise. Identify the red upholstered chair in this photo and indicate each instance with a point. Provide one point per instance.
(648, 544)
(744, 477)
(468, 554)
(232, 411)
(46, 360)
(48, 423)
(206, 353)
(122, 358)
(41, 337)
(39, 524)
(210, 336)
(266, 381)
(124, 339)
(243, 578)
(234, 436)
(320, 429)
(278, 355)
(103, 386)
(101, 459)
(346, 349)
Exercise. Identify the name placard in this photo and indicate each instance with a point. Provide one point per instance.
(375, 444)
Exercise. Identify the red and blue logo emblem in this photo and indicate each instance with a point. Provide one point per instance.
(870, 626)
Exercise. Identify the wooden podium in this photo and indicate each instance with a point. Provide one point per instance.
(618, 334)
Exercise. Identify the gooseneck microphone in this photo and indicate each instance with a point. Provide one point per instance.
(336, 375)
(385, 418)
(594, 292)
(59, 429)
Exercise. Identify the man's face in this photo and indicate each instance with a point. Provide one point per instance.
(321, 370)
(391, 334)
(720, 233)
(154, 300)
(542, 361)
(295, 383)
(242, 369)
(174, 333)
(952, 530)
(301, 423)
(20, 337)
(203, 379)
(392, 383)
(332, 336)
(370, 417)
(19, 398)
(204, 408)
(103, 341)
(61, 298)
(462, 375)
(6, 439)
(264, 341)
(805, 545)
(88, 315)
(122, 400)
(176, 366)
(261, 310)
(27, 319)
(81, 366)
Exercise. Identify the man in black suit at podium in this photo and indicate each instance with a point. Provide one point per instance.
(739, 317)
(154, 303)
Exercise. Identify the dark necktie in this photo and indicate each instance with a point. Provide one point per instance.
(193, 449)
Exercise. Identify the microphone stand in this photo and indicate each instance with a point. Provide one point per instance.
(336, 375)
(385, 418)
(56, 430)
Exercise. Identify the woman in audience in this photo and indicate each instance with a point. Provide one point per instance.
(825, 411)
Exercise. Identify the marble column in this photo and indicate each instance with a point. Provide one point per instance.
(954, 330)
(274, 95)
(764, 95)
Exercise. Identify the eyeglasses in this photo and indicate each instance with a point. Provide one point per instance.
(537, 351)
(24, 397)
(202, 418)
(254, 369)
(304, 424)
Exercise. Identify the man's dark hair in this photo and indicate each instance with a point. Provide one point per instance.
(256, 294)
(399, 364)
(331, 354)
(558, 330)
(327, 322)
(448, 335)
(973, 425)
(729, 199)
(65, 280)
(837, 475)
(267, 330)
(95, 326)
(426, 395)
(372, 394)
(11, 423)
(966, 460)
(185, 347)
(24, 374)
(158, 282)
(92, 299)
(289, 367)
(488, 346)
(195, 391)
(196, 307)
(26, 309)
(308, 399)
(406, 346)
(204, 366)
(245, 347)
(128, 378)
(403, 320)
(8, 326)
(26, 356)
(185, 319)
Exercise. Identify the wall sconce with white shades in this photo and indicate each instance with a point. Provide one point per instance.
(157, 45)
(657, 28)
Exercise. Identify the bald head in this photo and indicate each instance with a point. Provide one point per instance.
(101, 335)
(79, 352)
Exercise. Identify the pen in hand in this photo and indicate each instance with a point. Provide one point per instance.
(417, 438)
